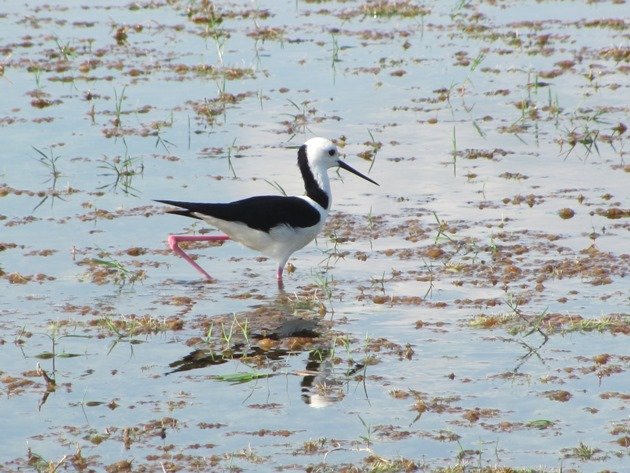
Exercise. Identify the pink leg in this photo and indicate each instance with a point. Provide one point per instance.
(173, 241)
(279, 277)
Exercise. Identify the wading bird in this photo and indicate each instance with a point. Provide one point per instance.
(274, 225)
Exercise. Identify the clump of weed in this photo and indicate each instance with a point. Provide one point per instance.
(123, 170)
(389, 9)
(106, 269)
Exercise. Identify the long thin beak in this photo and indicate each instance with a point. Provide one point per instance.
(347, 167)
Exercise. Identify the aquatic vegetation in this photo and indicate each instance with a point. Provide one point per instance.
(123, 170)
(238, 378)
(107, 269)
(299, 123)
(393, 8)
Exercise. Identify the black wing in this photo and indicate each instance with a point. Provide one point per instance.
(261, 213)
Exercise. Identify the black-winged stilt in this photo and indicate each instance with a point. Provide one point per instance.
(274, 225)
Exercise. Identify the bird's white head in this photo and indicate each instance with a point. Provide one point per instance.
(322, 154)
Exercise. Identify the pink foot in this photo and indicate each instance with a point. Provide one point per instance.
(173, 243)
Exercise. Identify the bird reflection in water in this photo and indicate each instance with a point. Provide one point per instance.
(321, 385)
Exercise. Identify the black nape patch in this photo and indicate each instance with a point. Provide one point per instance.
(310, 184)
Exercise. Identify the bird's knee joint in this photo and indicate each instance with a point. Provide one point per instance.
(172, 241)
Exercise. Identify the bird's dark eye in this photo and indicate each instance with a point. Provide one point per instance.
(331, 152)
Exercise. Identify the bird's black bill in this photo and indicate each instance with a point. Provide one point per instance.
(355, 172)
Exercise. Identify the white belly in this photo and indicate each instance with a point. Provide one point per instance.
(278, 244)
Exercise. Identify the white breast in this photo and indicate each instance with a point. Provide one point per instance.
(279, 243)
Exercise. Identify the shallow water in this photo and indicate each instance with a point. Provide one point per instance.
(462, 321)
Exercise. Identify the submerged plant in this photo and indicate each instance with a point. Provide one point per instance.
(324, 283)
(430, 277)
(158, 126)
(127, 328)
(371, 153)
(334, 252)
(585, 134)
(123, 171)
(391, 8)
(230, 337)
(442, 230)
(238, 378)
(41, 465)
(49, 161)
(300, 120)
(230, 150)
(65, 50)
(584, 452)
(276, 186)
(367, 438)
(108, 269)
(335, 49)
(534, 323)
(118, 104)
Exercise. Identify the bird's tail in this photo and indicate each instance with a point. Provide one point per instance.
(185, 209)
